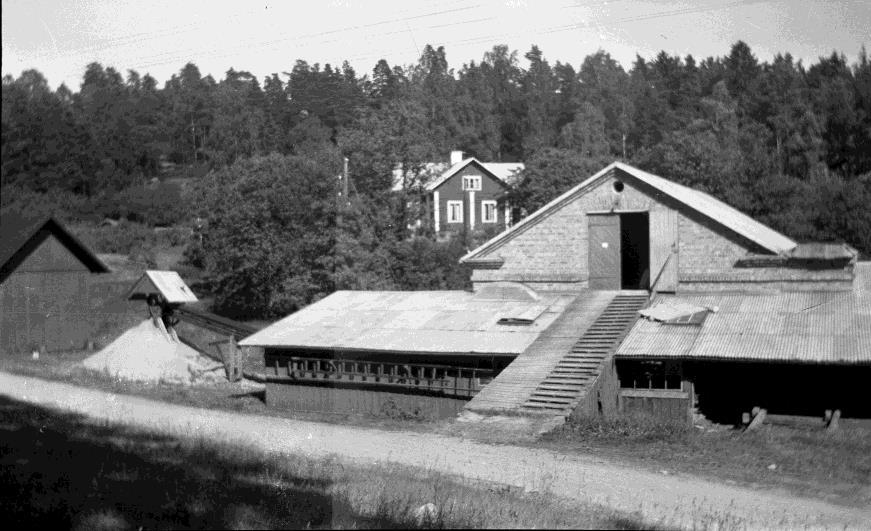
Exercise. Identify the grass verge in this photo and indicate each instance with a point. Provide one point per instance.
(805, 460)
(61, 471)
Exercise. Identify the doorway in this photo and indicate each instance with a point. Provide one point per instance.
(619, 251)
(634, 251)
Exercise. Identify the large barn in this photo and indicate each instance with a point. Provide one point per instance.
(45, 286)
(628, 293)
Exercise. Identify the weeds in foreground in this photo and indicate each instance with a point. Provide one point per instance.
(60, 470)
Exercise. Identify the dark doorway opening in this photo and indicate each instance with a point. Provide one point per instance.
(634, 251)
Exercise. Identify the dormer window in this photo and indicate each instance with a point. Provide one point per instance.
(472, 183)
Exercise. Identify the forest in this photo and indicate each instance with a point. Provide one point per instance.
(788, 144)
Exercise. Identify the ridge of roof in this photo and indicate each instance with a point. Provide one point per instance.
(718, 211)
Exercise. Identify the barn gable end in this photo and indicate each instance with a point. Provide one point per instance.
(45, 278)
(694, 241)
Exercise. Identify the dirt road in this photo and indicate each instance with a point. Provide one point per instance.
(666, 499)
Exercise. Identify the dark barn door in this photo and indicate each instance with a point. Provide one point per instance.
(604, 251)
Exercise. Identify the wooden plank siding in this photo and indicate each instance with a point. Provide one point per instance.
(452, 190)
(664, 244)
(604, 254)
(45, 302)
(323, 399)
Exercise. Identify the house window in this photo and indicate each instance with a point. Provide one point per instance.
(472, 183)
(455, 211)
(488, 211)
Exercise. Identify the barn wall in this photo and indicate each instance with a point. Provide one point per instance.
(552, 254)
(706, 248)
(452, 190)
(314, 398)
(667, 406)
(52, 301)
(601, 397)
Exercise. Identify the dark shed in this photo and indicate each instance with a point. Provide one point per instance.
(45, 277)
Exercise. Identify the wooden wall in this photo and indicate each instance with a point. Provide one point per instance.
(601, 398)
(349, 400)
(51, 301)
(668, 406)
(452, 190)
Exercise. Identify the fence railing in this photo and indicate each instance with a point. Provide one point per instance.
(444, 379)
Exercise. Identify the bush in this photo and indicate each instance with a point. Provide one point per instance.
(123, 238)
(158, 204)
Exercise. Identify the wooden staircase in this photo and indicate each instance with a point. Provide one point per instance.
(561, 391)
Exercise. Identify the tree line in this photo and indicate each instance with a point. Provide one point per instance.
(786, 143)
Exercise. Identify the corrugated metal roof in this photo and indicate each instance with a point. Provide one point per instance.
(812, 327)
(424, 322)
(167, 283)
(701, 202)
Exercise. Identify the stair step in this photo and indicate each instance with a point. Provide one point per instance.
(558, 386)
(554, 392)
(549, 402)
(538, 406)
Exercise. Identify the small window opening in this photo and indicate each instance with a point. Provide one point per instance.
(618, 186)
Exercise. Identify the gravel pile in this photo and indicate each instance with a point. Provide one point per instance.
(145, 353)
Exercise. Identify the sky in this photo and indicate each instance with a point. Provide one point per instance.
(60, 37)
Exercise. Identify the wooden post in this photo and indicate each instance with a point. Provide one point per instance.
(233, 362)
(758, 418)
(833, 423)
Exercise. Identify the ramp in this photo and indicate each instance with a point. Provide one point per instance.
(561, 391)
(516, 383)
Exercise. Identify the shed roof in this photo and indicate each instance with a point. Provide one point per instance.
(168, 283)
(19, 234)
(701, 202)
(808, 327)
(414, 322)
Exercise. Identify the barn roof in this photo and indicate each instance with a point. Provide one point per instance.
(19, 235)
(701, 202)
(502, 171)
(804, 327)
(417, 322)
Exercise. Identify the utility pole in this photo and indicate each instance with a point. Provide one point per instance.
(345, 178)
(194, 138)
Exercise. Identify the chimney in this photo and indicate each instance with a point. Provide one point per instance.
(456, 157)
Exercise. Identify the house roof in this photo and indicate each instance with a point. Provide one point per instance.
(168, 283)
(17, 231)
(416, 322)
(701, 202)
(805, 327)
(501, 171)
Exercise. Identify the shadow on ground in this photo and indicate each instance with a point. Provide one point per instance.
(58, 470)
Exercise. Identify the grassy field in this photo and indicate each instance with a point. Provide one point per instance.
(58, 470)
(807, 460)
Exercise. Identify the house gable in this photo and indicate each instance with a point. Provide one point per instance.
(453, 177)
